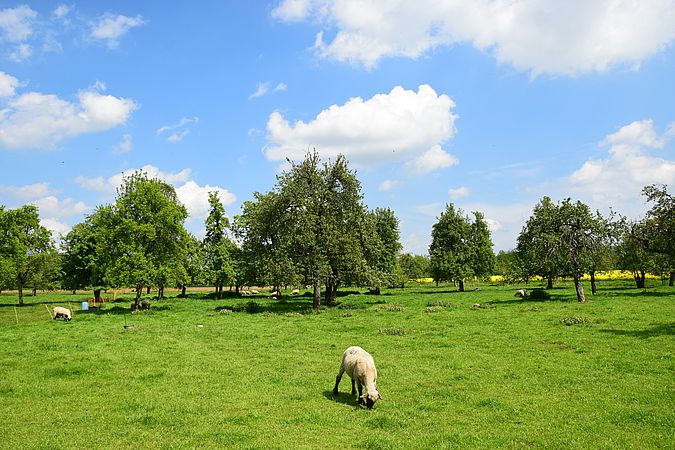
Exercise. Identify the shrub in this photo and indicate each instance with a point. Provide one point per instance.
(539, 294)
(574, 320)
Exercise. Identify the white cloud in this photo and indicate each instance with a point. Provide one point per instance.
(62, 11)
(124, 146)
(36, 120)
(292, 10)
(432, 159)
(55, 226)
(191, 194)
(30, 191)
(179, 130)
(16, 24)
(387, 185)
(51, 206)
(628, 165)
(196, 198)
(544, 37)
(111, 27)
(264, 88)
(459, 192)
(260, 90)
(8, 85)
(401, 126)
(21, 52)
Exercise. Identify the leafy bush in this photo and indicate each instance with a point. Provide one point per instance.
(539, 294)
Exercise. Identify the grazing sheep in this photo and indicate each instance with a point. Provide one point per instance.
(476, 305)
(62, 312)
(145, 304)
(360, 367)
(295, 292)
(522, 293)
(254, 292)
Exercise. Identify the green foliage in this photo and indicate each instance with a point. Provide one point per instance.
(414, 266)
(538, 294)
(219, 250)
(660, 222)
(460, 248)
(26, 250)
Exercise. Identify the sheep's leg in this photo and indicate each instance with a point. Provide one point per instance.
(360, 391)
(353, 386)
(337, 381)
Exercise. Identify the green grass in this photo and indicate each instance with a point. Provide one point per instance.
(206, 373)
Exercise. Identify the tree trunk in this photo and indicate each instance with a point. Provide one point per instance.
(640, 279)
(331, 291)
(593, 287)
(97, 296)
(316, 304)
(579, 288)
(20, 295)
(671, 280)
(148, 291)
(461, 285)
(182, 291)
(139, 292)
(160, 293)
(549, 282)
(34, 292)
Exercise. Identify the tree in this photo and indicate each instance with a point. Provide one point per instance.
(23, 243)
(661, 224)
(218, 248)
(582, 234)
(387, 262)
(414, 266)
(511, 267)
(313, 227)
(460, 248)
(633, 251)
(144, 235)
(539, 243)
(83, 259)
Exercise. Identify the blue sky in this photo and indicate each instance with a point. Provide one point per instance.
(490, 104)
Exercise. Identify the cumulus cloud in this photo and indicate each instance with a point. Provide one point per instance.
(8, 85)
(51, 206)
(54, 225)
(190, 193)
(30, 191)
(401, 126)
(540, 36)
(177, 131)
(459, 192)
(42, 121)
(16, 24)
(629, 164)
(61, 11)
(111, 27)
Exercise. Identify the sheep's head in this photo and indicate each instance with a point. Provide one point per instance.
(370, 398)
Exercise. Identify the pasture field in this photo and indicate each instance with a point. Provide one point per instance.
(208, 373)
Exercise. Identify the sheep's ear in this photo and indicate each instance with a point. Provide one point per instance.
(379, 396)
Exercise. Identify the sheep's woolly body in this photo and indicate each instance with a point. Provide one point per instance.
(360, 366)
(62, 312)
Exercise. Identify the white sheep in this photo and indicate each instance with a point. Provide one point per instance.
(62, 312)
(295, 292)
(522, 293)
(360, 367)
(254, 292)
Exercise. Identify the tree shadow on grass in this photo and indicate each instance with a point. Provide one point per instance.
(662, 329)
(642, 293)
(525, 301)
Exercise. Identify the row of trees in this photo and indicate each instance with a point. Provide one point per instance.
(311, 229)
(567, 239)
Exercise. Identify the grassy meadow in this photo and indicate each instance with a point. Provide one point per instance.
(208, 373)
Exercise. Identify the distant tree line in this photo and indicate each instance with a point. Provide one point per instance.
(567, 239)
(312, 230)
